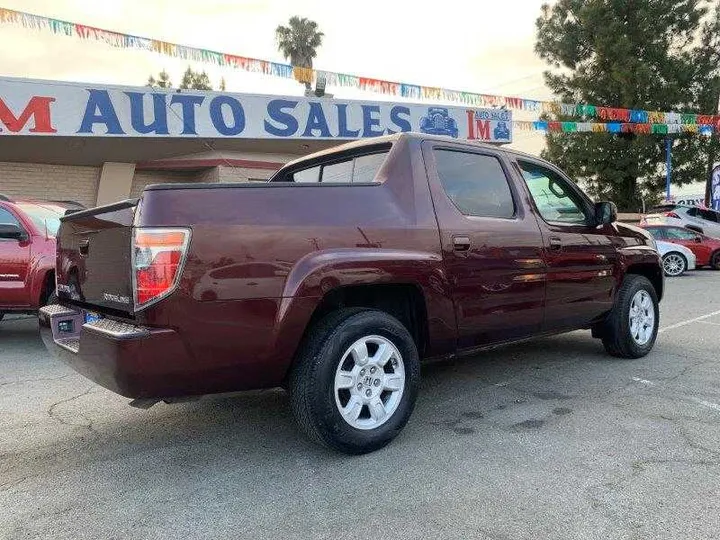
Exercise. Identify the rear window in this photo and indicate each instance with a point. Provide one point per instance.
(355, 170)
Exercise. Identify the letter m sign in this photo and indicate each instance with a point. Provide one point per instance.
(38, 108)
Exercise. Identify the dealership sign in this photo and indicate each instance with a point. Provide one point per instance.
(68, 109)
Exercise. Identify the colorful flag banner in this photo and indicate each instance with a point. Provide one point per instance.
(582, 111)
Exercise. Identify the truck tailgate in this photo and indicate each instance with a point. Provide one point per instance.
(94, 267)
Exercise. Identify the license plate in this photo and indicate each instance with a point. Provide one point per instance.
(92, 317)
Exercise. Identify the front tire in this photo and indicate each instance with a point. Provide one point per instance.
(632, 325)
(355, 381)
(674, 264)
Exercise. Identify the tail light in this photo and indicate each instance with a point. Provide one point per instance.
(672, 214)
(158, 258)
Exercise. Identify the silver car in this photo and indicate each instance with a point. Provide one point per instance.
(676, 259)
(702, 220)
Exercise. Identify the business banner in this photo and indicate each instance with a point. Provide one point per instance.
(74, 110)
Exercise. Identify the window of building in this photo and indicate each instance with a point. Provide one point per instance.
(475, 183)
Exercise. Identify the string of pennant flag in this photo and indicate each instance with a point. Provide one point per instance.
(650, 121)
(615, 127)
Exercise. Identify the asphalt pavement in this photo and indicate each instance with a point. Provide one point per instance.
(548, 439)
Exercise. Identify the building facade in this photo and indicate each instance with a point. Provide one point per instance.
(99, 144)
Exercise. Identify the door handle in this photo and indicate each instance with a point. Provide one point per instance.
(555, 243)
(461, 243)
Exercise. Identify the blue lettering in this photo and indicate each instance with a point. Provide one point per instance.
(403, 123)
(137, 113)
(100, 110)
(343, 131)
(316, 120)
(276, 113)
(188, 103)
(371, 119)
(218, 120)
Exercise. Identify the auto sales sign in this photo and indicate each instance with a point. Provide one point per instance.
(75, 110)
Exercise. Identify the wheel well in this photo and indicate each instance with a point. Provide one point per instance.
(651, 271)
(405, 302)
(48, 287)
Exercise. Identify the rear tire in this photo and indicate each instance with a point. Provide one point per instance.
(674, 264)
(632, 325)
(355, 380)
(715, 261)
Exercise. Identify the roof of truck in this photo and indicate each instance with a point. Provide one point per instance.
(374, 141)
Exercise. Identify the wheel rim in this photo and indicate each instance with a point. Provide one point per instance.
(673, 264)
(369, 382)
(642, 317)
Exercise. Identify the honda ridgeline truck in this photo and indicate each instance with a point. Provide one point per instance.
(340, 275)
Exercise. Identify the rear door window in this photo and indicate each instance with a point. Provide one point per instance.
(475, 183)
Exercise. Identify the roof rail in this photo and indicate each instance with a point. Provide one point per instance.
(5, 198)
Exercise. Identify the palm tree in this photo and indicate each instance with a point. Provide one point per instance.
(298, 42)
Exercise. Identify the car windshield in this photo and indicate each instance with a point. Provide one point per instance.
(44, 216)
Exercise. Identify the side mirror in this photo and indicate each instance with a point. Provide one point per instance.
(698, 239)
(605, 212)
(12, 232)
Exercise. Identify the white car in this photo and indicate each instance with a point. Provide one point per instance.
(676, 259)
(702, 220)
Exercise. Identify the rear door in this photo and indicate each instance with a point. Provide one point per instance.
(581, 256)
(14, 262)
(492, 247)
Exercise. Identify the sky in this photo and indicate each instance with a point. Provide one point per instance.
(481, 46)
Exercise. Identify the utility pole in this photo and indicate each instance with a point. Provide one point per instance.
(711, 157)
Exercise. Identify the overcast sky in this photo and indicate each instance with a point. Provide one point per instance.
(475, 45)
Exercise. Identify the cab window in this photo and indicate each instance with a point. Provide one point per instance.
(554, 198)
(6, 218)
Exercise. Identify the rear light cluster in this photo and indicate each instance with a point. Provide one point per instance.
(672, 214)
(158, 258)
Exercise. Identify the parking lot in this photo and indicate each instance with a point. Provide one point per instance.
(546, 439)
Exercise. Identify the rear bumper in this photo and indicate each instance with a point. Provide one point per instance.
(132, 361)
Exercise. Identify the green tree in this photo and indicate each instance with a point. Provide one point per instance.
(298, 42)
(163, 80)
(656, 55)
(194, 80)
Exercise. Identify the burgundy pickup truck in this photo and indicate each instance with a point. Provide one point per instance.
(336, 278)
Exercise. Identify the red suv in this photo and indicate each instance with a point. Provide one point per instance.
(706, 249)
(27, 252)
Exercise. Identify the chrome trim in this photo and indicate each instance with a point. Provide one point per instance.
(115, 329)
(56, 310)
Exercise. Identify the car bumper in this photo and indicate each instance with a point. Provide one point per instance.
(133, 361)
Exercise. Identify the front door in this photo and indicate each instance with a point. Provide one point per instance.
(492, 248)
(581, 256)
(14, 261)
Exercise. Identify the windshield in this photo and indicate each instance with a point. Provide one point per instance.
(44, 216)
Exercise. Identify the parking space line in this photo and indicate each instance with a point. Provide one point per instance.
(690, 321)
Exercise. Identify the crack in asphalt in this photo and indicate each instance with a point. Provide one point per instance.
(54, 415)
